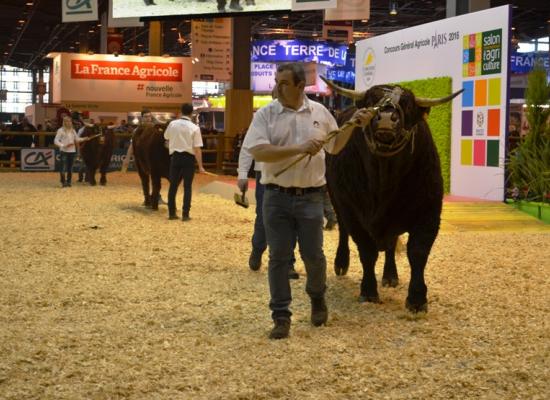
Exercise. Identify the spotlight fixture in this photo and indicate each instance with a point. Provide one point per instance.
(393, 7)
(115, 53)
(90, 53)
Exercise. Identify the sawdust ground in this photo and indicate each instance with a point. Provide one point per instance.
(103, 299)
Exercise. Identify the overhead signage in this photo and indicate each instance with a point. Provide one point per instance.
(79, 10)
(104, 82)
(132, 71)
(212, 50)
(299, 51)
(302, 5)
(472, 50)
(522, 63)
(344, 74)
(140, 8)
(121, 22)
(348, 10)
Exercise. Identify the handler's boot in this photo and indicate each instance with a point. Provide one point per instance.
(319, 311)
(281, 328)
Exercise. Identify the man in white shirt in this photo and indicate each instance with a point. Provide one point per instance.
(290, 126)
(184, 145)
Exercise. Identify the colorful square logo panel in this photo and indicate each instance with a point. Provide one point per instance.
(482, 53)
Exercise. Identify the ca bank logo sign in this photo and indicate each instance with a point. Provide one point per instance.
(368, 67)
(79, 10)
(37, 159)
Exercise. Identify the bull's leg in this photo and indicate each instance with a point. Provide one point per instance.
(418, 249)
(341, 261)
(90, 175)
(155, 181)
(368, 253)
(103, 175)
(390, 278)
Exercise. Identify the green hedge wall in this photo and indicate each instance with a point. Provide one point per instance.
(439, 119)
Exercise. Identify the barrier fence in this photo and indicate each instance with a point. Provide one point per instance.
(219, 153)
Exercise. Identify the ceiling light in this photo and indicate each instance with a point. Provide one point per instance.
(28, 3)
(21, 21)
(174, 29)
(10, 44)
(513, 28)
(91, 31)
(393, 7)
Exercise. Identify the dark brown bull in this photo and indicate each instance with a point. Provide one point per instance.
(152, 160)
(96, 153)
(385, 182)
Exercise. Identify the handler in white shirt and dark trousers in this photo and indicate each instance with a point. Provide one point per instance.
(293, 201)
(184, 145)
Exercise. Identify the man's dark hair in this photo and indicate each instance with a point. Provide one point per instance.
(145, 111)
(297, 69)
(187, 109)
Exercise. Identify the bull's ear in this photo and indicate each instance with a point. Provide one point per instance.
(425, 102)
(352, 94)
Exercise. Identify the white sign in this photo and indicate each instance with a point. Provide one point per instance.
(301, 5)
(36, 159)
(262, 77)
(212, 50)
(79, 10)
(472, 49)
(124, 79)
(349, 10)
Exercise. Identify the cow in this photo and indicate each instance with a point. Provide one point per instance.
(96, 153)
(152, 160)
(386, 182)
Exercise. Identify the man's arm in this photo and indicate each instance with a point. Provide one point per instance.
(361, 118)
(245, 162)
(273, 153)
(198, 156)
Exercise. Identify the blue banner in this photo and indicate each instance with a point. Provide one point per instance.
(299, 50)
(345, 74)
(522, 63)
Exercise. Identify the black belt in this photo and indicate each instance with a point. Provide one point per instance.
(294, 191)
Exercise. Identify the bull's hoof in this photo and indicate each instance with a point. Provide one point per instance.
(340, 271)
(92, 183)
(154, 208)
(416, 307)
(103, 183)
(369, 299)
(390, 282)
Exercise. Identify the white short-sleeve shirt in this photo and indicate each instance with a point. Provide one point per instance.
(183, 135)
(281, 126)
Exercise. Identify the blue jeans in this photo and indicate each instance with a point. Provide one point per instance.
(285, 217)
(67, 160)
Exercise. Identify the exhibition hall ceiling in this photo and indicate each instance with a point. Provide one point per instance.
(30, 29)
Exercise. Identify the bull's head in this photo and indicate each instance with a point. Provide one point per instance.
(398, 112)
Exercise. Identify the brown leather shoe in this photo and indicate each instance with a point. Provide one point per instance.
(319, 311)
(281, 328)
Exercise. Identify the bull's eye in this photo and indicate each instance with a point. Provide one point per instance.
(394, 117)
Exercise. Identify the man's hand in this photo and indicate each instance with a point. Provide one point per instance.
(242, 184)
(312, 146)
(363, 116)
(202, 170)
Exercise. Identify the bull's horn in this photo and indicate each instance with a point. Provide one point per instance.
(424, 102)
(352, 94)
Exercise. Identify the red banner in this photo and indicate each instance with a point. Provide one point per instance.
(126, 70)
